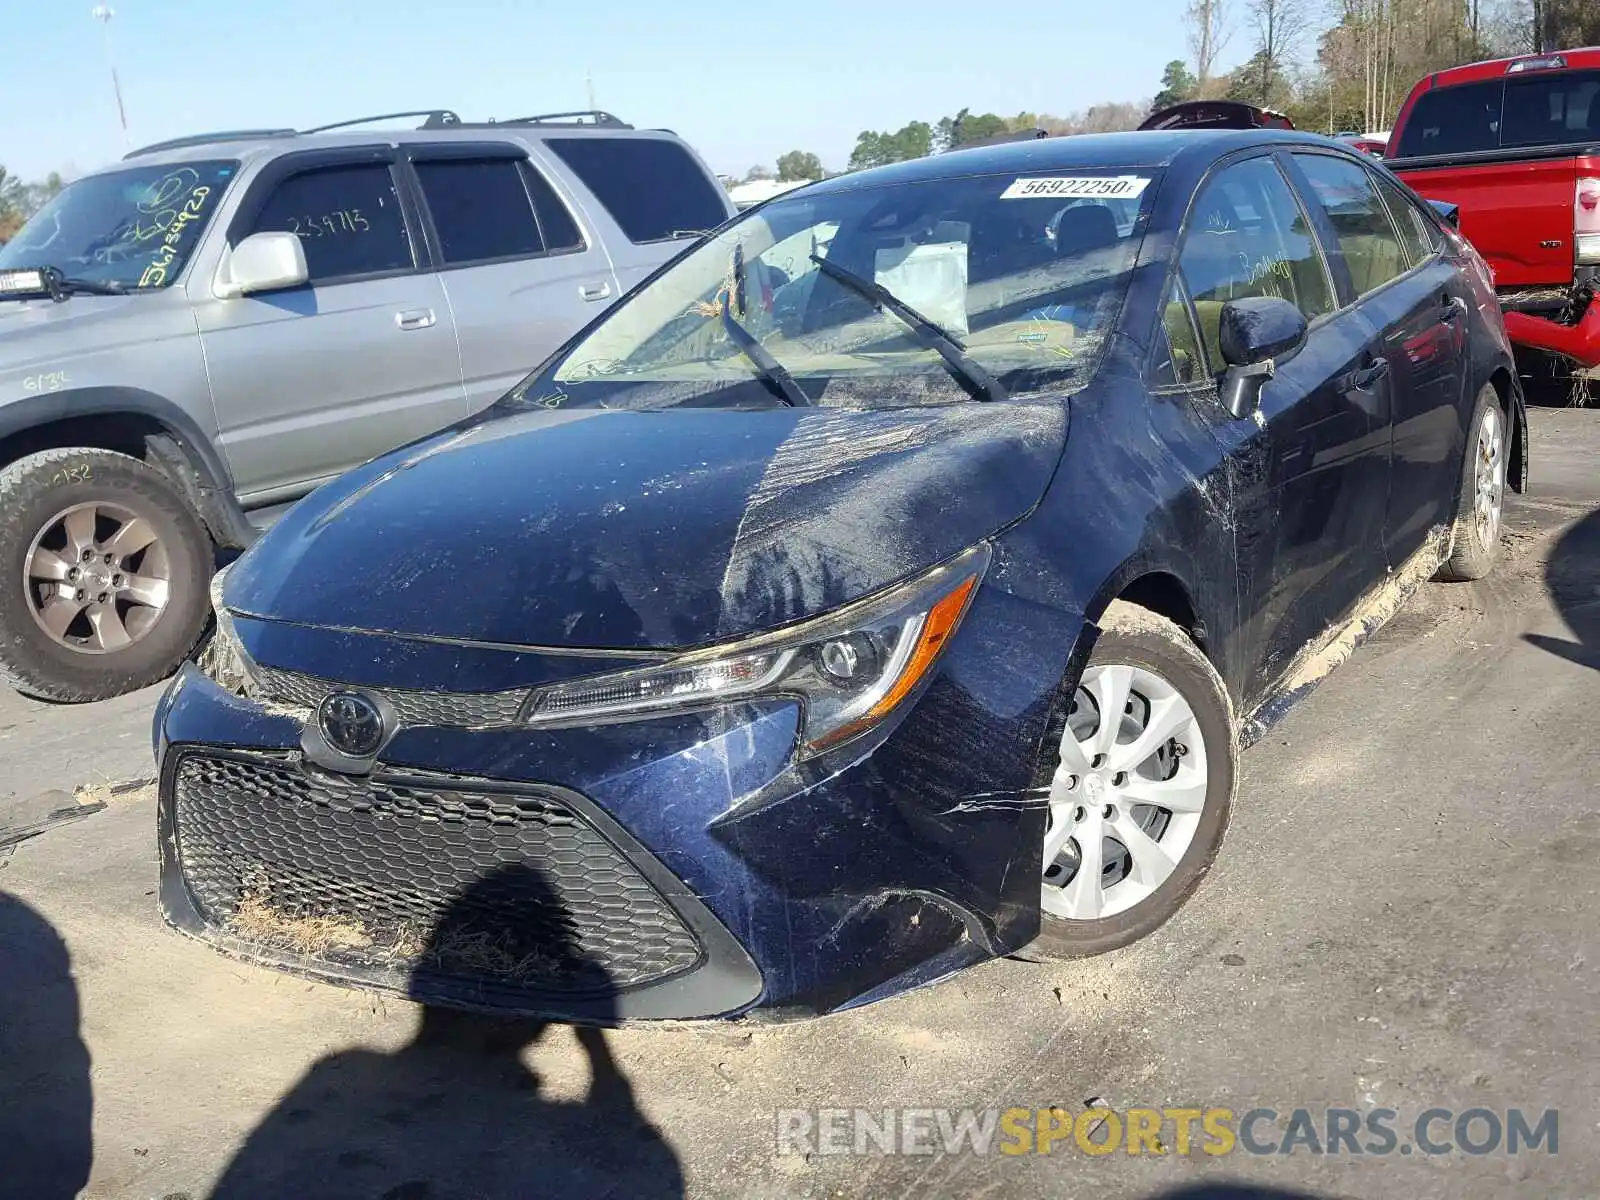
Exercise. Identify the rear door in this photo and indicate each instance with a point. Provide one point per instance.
(311, 381)
(1310, 469)
(650, 189)
(520, 273)
(1415, 306)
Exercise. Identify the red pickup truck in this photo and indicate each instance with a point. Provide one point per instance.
(1515, 145)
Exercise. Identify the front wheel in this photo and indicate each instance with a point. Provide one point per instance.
(1141, 796)
(104, 571)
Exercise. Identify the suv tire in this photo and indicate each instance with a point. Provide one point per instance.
(104, 575)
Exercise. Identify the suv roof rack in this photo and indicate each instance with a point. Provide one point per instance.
(583, 116)
(433, 118)
(201, 139)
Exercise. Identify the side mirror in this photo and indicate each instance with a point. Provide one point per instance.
(263, 262)
(1255, 333)
(1450, 212)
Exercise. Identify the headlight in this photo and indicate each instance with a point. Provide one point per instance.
(850, 668)
(224, 660)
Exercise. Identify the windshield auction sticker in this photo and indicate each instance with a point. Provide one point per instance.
(1120, 187)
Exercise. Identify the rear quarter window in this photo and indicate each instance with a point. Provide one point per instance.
(1552, 110)
(653, 188)
(1453, 120)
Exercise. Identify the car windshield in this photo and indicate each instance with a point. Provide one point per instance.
(885, 295)
(133, 228)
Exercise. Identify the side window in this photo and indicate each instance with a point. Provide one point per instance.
(559, 229)
(480, 209)
(1552, 110)
(348, 220)
(1179, 359)
(1453, 120)
(1247, 236)
(1367, 237)
(1417, 233)
(652, 187)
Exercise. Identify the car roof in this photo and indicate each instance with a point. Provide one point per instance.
(1153, 149)
(441, 125)
(1576, 59)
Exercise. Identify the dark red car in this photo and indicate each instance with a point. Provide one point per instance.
(1215, 114)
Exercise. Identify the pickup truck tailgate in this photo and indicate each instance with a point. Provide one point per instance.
(1518, 213)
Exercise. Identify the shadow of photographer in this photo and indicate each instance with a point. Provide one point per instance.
(46, 1102)
(455, 1112)
(1572, 576)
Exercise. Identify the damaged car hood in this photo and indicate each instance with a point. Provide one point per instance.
(648, 530)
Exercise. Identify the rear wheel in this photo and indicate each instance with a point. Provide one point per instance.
(1140, 798)
(103, 575)
(1475, 536)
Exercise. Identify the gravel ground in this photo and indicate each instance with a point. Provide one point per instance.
(1403, 917)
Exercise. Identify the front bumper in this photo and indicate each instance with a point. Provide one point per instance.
(455, 891)
(682, 866)
(1579, 341)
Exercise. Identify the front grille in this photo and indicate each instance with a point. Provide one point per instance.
(405, 871)
(470, 710)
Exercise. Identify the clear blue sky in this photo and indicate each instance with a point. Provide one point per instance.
(742, 82)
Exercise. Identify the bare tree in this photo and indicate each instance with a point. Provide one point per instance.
(1280, 26)
(1209, 31)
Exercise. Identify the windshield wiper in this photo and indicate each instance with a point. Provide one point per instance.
(49, 281)
(979, 384)
(772, 372)
(66, 286)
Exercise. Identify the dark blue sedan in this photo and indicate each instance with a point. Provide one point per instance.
(887, 584)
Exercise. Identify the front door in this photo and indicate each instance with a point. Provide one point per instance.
(1309, 469)
(311, 381)
(1415, 309)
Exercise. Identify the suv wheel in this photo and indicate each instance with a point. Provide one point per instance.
(104, 571)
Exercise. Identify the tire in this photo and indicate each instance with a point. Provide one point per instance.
(1475, 534)
(1160, 664)
(63, 505)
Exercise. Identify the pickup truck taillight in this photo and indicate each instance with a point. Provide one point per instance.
(1586, 221)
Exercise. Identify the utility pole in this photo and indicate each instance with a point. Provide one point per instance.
(103, 13)
(588, 81)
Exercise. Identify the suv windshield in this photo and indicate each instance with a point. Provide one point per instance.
(1023, 276)
(133, 228)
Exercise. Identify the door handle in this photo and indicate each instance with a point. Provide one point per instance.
(594, 291)
(414, 318)
(1364, 378)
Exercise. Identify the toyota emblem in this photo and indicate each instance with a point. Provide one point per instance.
(351, 724)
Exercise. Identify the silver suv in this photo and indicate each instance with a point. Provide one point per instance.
(198, 336)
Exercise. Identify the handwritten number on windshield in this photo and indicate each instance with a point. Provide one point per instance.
(171, 223)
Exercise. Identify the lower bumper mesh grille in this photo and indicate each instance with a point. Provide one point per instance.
(405, 870)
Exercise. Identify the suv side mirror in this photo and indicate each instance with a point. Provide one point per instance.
(1256, 332)
(263, 262)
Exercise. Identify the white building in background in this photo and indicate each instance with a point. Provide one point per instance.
(745, 195)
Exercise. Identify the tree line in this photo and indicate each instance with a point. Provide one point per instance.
(1347, 65)
(1330, 65)
(19, 200)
